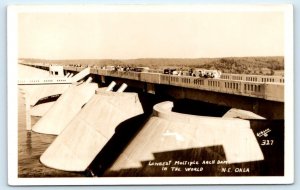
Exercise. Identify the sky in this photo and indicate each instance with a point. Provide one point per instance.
(130, 35)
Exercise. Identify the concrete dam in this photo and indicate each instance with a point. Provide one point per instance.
(132, 132)
(256, 93)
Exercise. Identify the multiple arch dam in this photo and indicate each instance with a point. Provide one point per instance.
(115, 133)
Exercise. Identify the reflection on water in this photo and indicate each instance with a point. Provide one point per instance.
(28, 143)
(31, 145)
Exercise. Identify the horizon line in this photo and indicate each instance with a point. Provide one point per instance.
(155, 58)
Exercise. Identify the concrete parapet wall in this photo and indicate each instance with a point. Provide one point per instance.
(244, 85)
(253, 78)
(243, 88)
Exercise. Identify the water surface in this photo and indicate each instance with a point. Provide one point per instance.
(31, 146)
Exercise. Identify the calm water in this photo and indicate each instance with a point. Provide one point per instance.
(31, 146)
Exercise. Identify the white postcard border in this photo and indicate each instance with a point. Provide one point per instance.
(12, 57)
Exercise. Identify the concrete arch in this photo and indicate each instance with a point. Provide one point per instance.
(85, 136)
(170, 131)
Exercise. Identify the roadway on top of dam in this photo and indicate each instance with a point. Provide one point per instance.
(257, 86)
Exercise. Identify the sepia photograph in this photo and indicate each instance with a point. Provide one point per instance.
(184, 94)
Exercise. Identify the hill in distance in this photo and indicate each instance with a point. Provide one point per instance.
(237, 65)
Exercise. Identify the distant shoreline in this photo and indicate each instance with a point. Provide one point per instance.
(269, 65)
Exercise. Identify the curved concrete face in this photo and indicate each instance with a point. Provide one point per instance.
(65, 108)
(41, 109)
(37, 92)
(242, 114)
(170, 131)
(85, 136)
